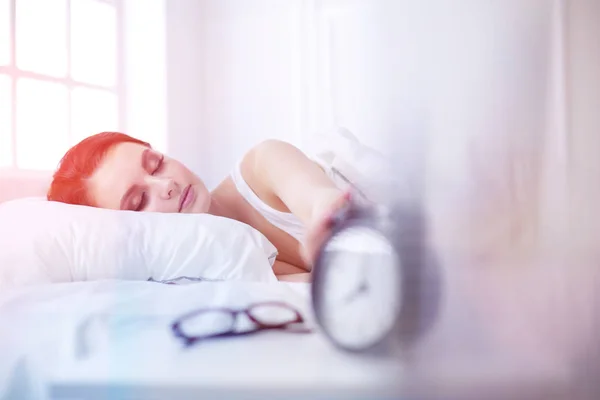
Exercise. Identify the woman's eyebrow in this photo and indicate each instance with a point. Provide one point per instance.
(127, 196)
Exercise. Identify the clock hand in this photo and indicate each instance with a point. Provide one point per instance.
(362, 288)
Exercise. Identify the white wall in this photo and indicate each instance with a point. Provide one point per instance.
(232, 79)
(145, 71)
(373, 56)
(241, 71)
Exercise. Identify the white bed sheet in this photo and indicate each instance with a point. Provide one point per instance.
(76, 339)
(111, 339)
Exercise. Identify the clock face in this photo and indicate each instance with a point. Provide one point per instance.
(358, 288)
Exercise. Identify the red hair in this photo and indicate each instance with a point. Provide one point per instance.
(79, 163)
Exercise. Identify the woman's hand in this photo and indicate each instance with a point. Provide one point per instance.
(319, 229)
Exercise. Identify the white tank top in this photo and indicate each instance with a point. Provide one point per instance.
(287, 222)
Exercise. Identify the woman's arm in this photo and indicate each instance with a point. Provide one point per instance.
(300, 277)
(294, 178)
(302, 186)
(290, 273)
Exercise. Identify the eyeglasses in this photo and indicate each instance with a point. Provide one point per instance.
(224, 322)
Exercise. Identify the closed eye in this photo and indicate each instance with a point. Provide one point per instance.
(141, 204)
(158, 165)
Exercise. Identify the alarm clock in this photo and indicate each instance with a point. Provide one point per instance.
(373, 280)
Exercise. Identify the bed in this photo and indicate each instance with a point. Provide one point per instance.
(112, 339)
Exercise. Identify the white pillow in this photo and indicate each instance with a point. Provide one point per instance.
(42, 241)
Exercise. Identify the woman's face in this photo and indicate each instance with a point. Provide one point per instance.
(136, 178)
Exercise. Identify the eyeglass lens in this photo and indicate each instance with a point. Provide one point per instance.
(273, 315)
(208, 323)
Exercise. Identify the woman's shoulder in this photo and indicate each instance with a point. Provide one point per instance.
(251, 170)
(269, 151)
(270, 155)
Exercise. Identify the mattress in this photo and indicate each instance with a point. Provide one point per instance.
(84, 338)
(112, 339)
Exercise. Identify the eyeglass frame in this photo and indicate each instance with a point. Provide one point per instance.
(259, 326)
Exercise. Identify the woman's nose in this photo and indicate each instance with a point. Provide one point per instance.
(165, 187)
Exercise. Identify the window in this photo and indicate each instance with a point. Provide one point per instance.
(60, 77)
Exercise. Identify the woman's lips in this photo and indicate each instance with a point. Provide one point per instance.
(187, 198)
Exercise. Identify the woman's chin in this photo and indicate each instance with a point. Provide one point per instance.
(201, 206)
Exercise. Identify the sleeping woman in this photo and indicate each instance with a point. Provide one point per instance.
(275, 188)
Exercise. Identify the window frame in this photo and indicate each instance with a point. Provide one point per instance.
(14, 73)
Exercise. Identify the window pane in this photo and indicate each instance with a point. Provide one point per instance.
(4, 32)
(41, 36)
(42, 124)
(93, 42)
(93, 111)
(5, 122)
